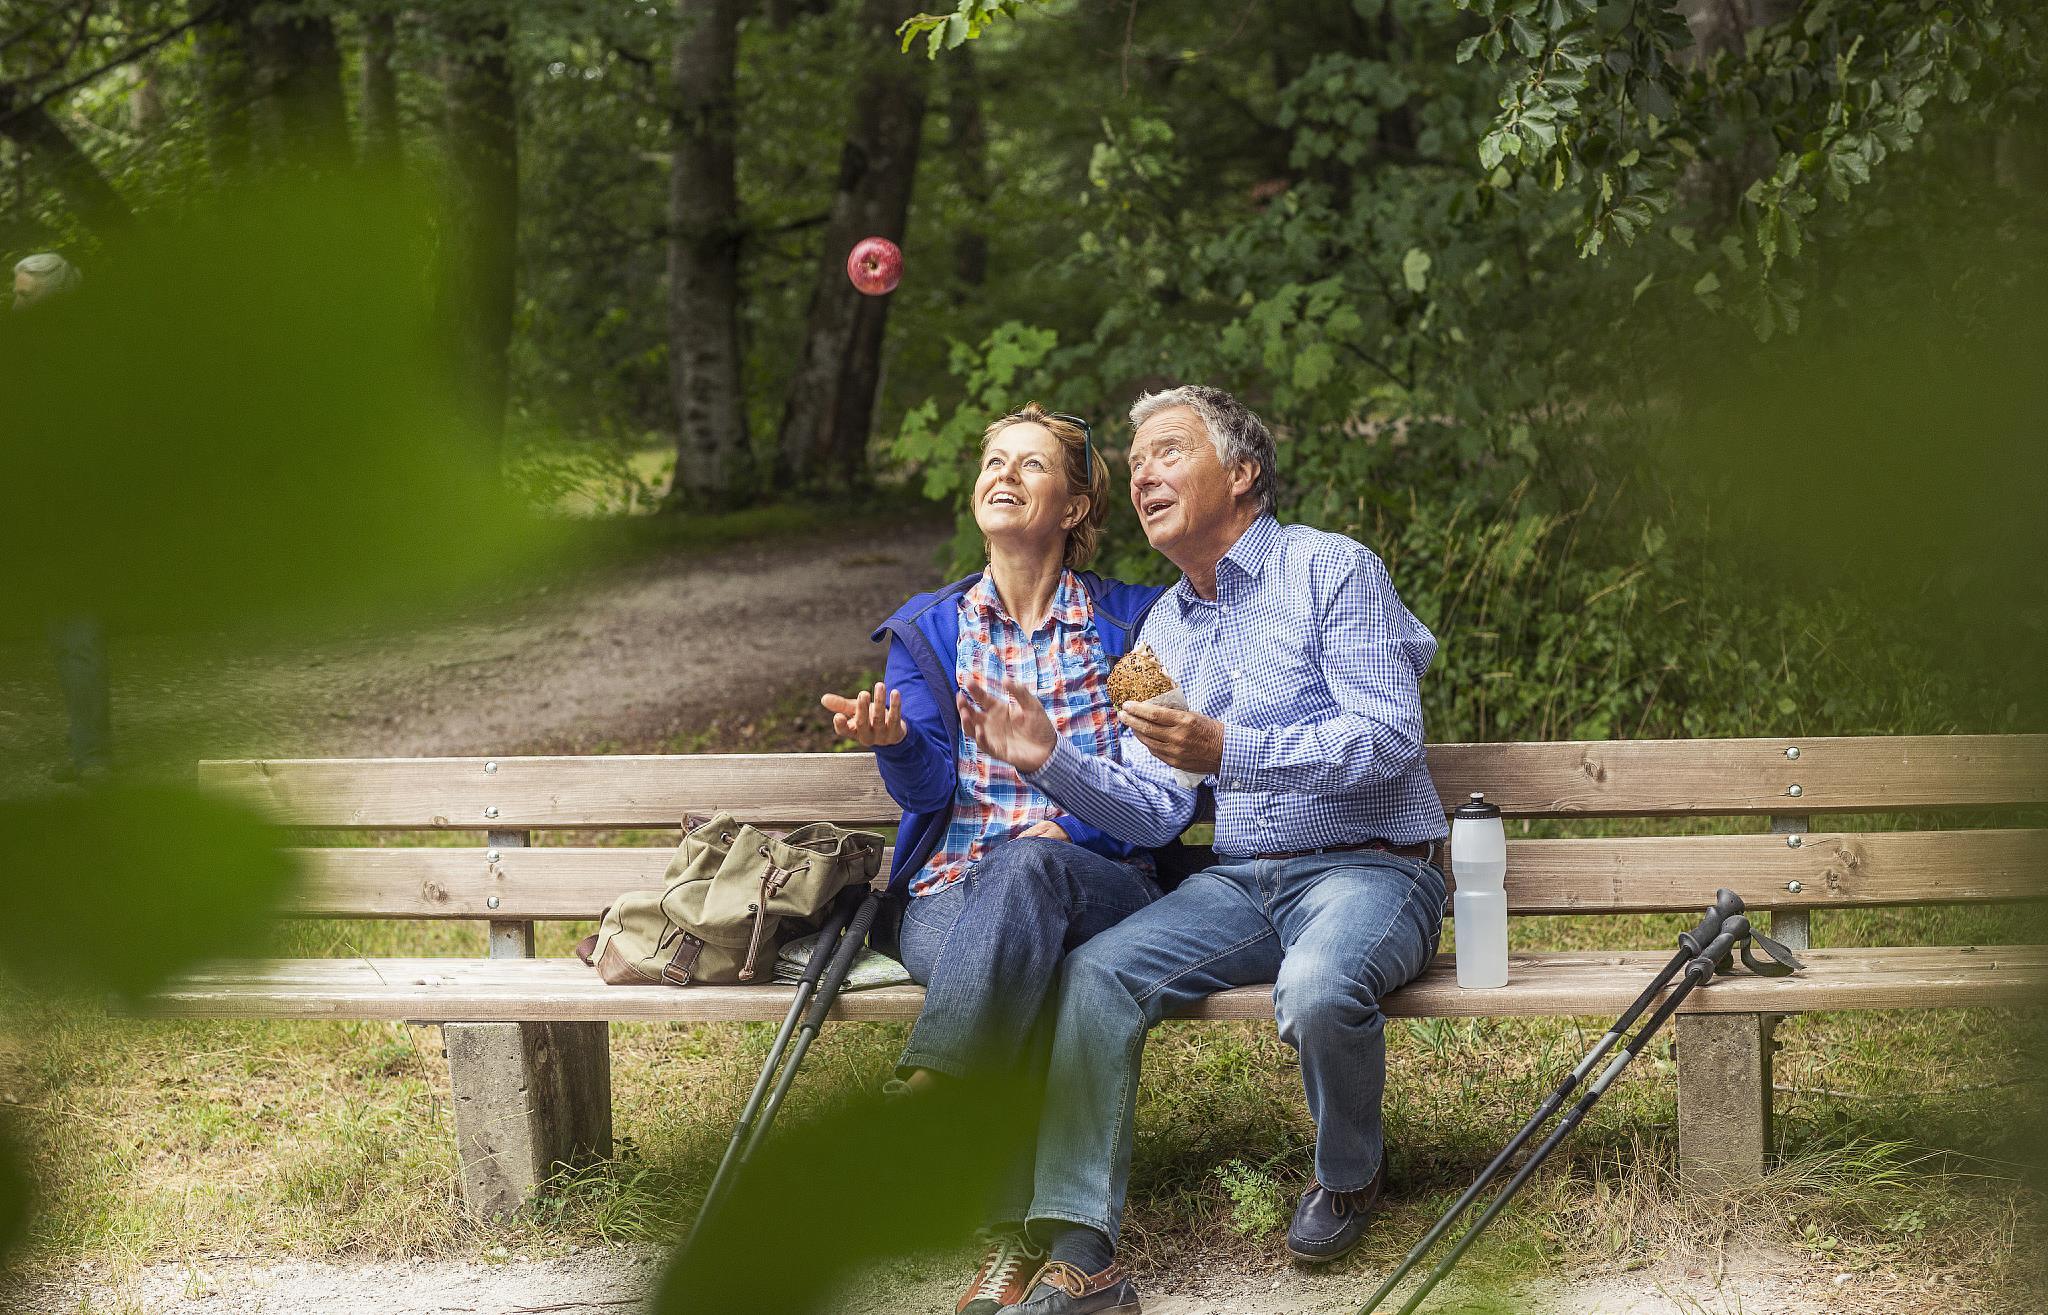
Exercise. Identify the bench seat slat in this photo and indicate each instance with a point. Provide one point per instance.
(510, 990)
(1632, 874)
(1605, 778)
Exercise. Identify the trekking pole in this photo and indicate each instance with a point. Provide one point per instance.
(806, 986)
(1690, 944)
(821, 1005)
(1698, 970)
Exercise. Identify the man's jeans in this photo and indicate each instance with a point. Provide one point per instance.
(1333, 932)
(987, 950)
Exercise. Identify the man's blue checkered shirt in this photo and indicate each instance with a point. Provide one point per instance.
(1312, 664)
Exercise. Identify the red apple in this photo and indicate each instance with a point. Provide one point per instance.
(875, 266)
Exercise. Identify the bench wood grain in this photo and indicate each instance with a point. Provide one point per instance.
(1604, 778)
(1615, 875)
(1597, 983)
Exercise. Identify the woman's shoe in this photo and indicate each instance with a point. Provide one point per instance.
(1061, 1289)
(1004, 1278)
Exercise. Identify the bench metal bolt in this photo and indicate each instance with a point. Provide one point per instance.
(1794, 886)
(1791, 842)
(491, 769)
(492, 811)
(1792, 790)
(491, 856)
(494, 901)
(1792, 751)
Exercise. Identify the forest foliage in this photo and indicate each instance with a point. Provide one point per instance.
(1500, 273)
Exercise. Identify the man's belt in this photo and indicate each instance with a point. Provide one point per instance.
(1423, 851)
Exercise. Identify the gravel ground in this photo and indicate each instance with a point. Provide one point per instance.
(592, 1282)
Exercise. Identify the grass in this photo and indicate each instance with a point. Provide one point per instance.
(1902, 1135)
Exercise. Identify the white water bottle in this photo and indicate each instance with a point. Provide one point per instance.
(1479, 863)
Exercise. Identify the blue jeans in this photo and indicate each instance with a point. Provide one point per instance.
(987, 950)
(1333, 932)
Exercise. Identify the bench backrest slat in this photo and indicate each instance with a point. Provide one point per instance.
(1646, 874)
(1612, 778)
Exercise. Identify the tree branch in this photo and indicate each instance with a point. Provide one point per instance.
(13, 105)
(80, 181)
(29, 30)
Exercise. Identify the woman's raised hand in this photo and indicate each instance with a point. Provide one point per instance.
(874, 717)
(1009, 724)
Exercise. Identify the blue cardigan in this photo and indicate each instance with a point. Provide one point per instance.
(922, 769)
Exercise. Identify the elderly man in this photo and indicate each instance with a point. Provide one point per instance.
(79, 642)
(43, 275)
(1301, 668)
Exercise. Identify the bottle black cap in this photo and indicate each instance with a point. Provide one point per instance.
(1477, 809)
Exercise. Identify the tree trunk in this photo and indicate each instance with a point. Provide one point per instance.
(145, 98)
(483, 159)
(713, 456)
(299, 72)
(967, 148)
(43, 140)
(227, 87)
(832, 391)
(781, 13)
(380, 88)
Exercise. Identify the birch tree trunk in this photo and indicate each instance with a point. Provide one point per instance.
(713, 457)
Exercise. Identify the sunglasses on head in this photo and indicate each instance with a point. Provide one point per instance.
(1087, 440)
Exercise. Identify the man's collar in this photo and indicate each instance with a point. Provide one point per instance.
(1247, 557)
(1249, 553)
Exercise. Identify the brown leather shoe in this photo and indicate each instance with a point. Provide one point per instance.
(1328, 1225)
(1004, 1278)
(1062, 1289)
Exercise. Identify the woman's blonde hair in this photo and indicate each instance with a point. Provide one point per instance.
(1087, 473)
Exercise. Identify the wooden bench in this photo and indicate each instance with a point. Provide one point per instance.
(526, 1037)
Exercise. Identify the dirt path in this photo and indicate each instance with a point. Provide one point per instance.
(593, 1282)
(639, 659)
(624, 662)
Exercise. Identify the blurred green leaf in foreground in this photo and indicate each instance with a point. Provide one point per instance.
(243, 426)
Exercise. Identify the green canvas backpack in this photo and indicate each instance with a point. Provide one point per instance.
(731, 896)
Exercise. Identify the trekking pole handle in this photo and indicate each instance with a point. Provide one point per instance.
(1733, 932)
(1727, 904)
(842, 960)
(827, 942)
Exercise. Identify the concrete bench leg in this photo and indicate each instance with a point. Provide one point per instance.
(1724, 1098)
(529, 1098)
(1724, 1068)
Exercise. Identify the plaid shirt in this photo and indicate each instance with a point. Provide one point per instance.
(1064, 662)
(1313, 666)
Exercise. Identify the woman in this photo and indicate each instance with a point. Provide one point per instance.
(998, 884)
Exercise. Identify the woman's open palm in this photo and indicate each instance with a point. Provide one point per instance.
(1009, 724)
(874, 717)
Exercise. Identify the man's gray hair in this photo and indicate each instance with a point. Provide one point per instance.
(1237, 433)
(53, 274)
